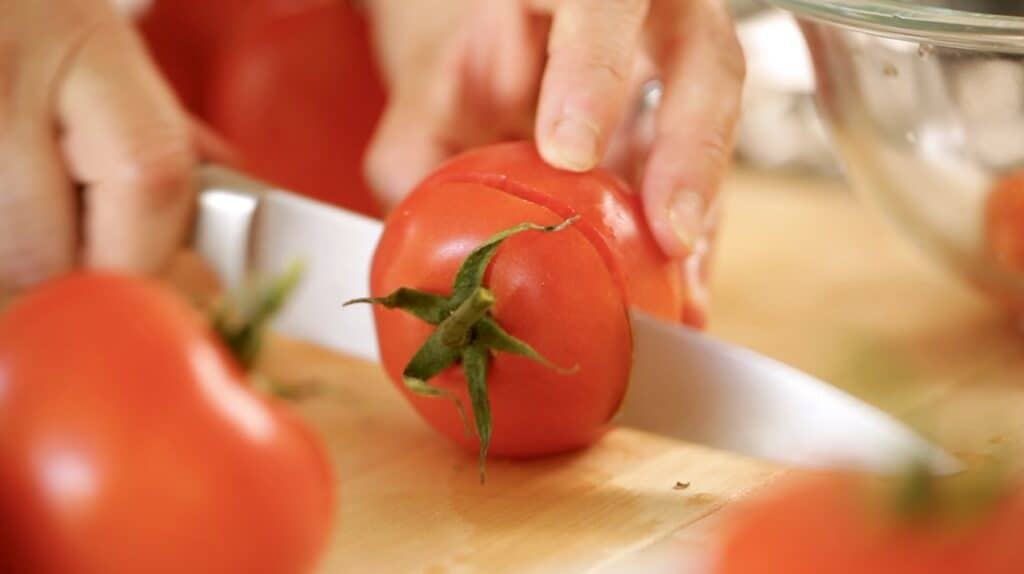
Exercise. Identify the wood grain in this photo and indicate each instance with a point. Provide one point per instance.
(803, 274)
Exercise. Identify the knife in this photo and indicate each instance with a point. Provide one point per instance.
(684, 384)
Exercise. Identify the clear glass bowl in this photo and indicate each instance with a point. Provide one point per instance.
(924, 102)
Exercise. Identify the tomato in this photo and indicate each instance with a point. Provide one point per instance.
(129, 443)
(566, 294)
(1004, 222)
(182, 36)
(837, 524)
(296, 90)
(612, 218)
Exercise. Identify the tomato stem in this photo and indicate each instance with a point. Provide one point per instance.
(455, 330)
(244, 315)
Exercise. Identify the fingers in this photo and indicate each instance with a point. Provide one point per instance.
(37, 224)
(403, 150)
(591, 51)
(406, 143)
(128, 141)
(476, 89)
(503, 57)
(702, 67)
(37, 229)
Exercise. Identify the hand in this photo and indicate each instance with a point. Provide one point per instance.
(83, 109)
(568, 73)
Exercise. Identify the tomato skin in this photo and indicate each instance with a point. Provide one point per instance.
(182, 36)
(295, 88)
(612, 217)
(566, 293)
(827, 525)
(1004, 222)
(128, 443)
(552, 291)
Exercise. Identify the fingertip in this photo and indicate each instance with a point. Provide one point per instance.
(670, 208)
(680, 199)
(671, 240)
(396, 162)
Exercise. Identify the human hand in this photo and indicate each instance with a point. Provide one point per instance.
(568, 73)
(96, 156)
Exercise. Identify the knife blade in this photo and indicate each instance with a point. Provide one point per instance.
(687, 384)
(684, 384)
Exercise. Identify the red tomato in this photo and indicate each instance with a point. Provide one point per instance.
(295, 89)
(566, 293)
(1004, 218)
(129, 443)
(182, 36)
(832, 524)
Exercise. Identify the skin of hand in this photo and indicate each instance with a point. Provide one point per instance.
(568, 73)
(96, 156)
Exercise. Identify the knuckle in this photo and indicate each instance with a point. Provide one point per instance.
(609, 68)
(624, 9)
(715, 145)
(605, 65)
(161, 171)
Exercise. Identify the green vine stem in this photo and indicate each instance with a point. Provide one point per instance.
(920, 495)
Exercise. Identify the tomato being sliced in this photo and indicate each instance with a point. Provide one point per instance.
(566, 294)
(129, 443)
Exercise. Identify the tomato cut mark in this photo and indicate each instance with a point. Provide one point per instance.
(504, 184)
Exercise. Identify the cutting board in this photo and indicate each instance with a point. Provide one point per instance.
(803, 273)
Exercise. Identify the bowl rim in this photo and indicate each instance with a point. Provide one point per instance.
(931, 24)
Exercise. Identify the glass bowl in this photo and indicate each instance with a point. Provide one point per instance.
(924, 102)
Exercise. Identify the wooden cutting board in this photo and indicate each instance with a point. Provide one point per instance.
(803, 274)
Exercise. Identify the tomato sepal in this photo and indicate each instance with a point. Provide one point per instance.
(242, 317)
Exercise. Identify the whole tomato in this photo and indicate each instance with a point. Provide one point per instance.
(182, 37)
(294, 87)
(129, 443)
(565, 295)
(839, 524)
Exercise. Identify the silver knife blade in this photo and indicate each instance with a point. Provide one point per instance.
(684, 384)
(690, 386)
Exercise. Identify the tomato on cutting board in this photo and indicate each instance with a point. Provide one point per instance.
(295, 88)
(561, 295)
(846, 524)
(129, 443)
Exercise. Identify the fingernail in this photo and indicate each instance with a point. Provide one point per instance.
(686, 212)
(573, 143)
